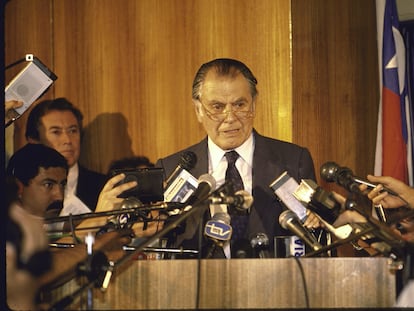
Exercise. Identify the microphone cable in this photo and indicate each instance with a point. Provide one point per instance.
(305, 286)
(199, 257)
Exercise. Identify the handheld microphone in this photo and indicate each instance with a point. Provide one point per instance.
(318, 200)
(323, 204)
(283, 187)
(241, 249)
(206, 184)
(241, 200)
(128, 203)
(376, 234)
(260, 245)
(28, 86)
(218, 230)
(289, 221)
(122, 220)
(187, 161)
(343, 176)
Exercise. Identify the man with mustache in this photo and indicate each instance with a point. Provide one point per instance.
(40, 174)
(57, 124)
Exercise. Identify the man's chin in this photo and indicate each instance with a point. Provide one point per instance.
(71, 161)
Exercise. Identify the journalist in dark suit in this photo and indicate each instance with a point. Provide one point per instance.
(57, 123)
(90, 184)
(224, 97)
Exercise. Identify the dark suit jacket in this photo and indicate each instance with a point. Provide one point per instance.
(89, 186)
(270, 159)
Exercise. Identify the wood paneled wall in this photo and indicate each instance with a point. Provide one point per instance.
(335, 81)
(129, 65)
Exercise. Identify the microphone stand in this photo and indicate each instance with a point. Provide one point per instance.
(338, 243)
(96, 269)
(198, 207)
(110, 267)
(389, 237)
(66, 301)
(144, 208)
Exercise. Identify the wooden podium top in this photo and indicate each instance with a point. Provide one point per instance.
(246, 284)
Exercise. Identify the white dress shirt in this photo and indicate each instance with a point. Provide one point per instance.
(71, 203)
(217, 167)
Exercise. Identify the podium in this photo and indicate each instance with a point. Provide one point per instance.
(245, 284)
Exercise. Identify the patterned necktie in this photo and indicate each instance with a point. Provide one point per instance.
(238, 222)
(232, 173)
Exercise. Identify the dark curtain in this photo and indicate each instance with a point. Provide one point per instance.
(407, 31)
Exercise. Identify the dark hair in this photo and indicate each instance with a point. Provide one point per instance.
(26, 162)
(41, 109)
(130, 162)
(223, 67)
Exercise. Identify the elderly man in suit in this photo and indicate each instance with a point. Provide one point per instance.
(224, 96)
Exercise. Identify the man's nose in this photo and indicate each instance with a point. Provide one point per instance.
(230, 116)
(58, 192)
(66, 137)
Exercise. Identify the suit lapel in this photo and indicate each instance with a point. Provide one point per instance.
(201, 167)
(265, 170)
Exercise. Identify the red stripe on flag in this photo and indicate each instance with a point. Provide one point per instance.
(394, 150)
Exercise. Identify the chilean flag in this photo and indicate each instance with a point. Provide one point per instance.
(393, 151)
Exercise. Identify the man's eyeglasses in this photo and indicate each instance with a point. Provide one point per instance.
(241, 111)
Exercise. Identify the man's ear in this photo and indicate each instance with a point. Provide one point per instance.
(20, 187)
(198, 110)
(254, 105)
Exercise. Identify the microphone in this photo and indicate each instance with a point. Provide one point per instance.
(241, 249)
(27, 86)
(206, 184)
(323, 204)
(376, 234)
(318, 200)
(283, 188)
(343, 176)
(219, 230)
(289, 221)
(128, 203)
(122, 220)
(187, 161)
(260, 245)
(241, 200)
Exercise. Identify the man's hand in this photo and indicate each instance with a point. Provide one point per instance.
(387, 200)
(8, 109)
(108, 198)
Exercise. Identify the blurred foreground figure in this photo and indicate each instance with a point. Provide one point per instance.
(27, 253)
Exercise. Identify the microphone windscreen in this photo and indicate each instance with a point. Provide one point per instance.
(247, 200)
(207, 178)
(188, 160)
(328, 171)
(206, 184)
(131, 202)
(285, 217)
